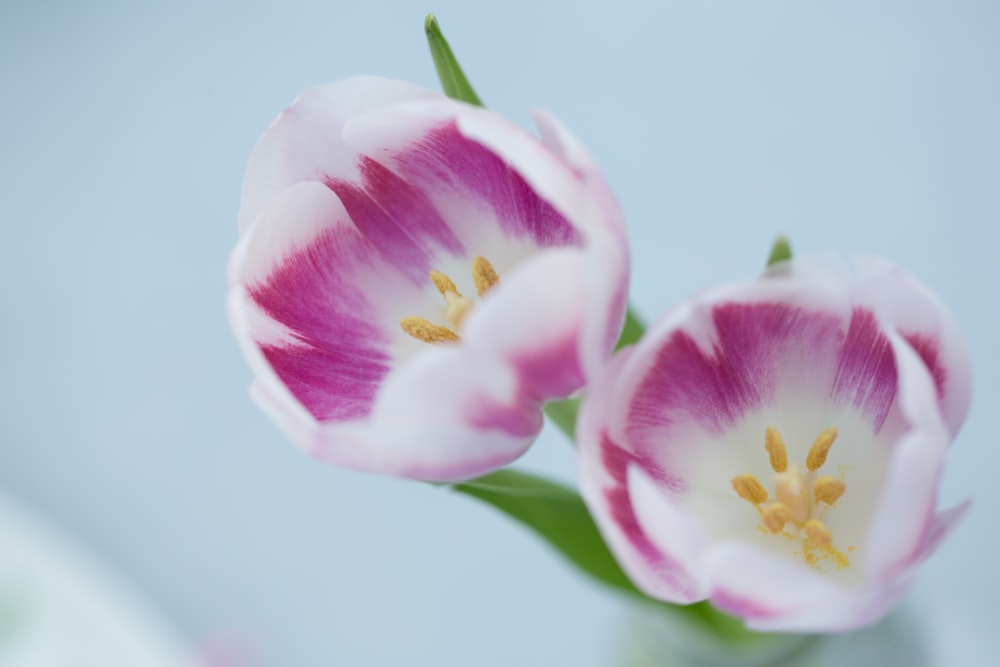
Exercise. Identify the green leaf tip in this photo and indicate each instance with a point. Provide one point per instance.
(781, 251)
(453, 79)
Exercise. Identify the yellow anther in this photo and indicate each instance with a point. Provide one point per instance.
(750, 489)
(775, 517)
(820, 448)
(818, 534)
(426, 332)
(828, 490)
(776, 449)
(483, 275)
(444, 284)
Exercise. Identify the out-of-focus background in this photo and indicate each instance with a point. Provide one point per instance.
(124, 419)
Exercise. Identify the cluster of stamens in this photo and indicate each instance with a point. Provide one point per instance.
(456, 306)
(801, 498)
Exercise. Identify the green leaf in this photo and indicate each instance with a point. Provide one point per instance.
(781, 251)
(557, 514)
(563, 415)
(453, 80)
(632, 330)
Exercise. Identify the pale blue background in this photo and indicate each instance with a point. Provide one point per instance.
(124, 130)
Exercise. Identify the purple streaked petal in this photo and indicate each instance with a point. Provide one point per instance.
(908, 306)
(866, 371)
(604, 467)
(677, 536)
(444, 158)
(397, 218)
(725, 361)
(321, 340)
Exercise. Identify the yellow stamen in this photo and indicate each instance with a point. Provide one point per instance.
(426, 332)
(750, 489)
(820, 448)
(818, 534)
(444, 284)
(828, 490)
(483, 275)
(776, 450)
(775, 517)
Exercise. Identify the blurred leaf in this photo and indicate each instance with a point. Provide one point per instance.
(632, 330)
(453, 80)
(557, 514)
(563, 415)
(781, 251)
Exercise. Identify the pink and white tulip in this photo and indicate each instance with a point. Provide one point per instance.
(775, 447)
(415, 277)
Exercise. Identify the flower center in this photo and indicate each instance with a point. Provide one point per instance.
(456, 306)
(801, 498)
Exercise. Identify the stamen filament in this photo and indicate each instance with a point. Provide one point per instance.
(749, 488)
(484, 275)
(427, 332)
(820, 449)
(776, 450)
(828, 490)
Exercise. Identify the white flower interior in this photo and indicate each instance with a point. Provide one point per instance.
(802, 482)
(456, 307)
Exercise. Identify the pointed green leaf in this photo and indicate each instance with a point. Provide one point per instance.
(632, 330)
(453, 80)
(557, 514)
(781, 251)
(563, 415)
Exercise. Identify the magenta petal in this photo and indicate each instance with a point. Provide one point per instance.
(925, 323)
(445, 158)
(320, 335)
(398, 218)
(866, 369)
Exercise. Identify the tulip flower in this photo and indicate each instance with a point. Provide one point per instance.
(775, 447)
(416, 276)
